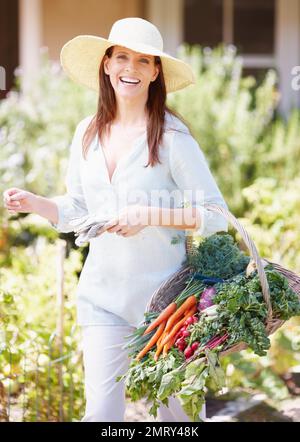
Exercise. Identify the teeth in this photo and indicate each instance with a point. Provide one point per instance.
(129, 80)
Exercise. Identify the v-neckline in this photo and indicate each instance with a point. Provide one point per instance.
(123, 158)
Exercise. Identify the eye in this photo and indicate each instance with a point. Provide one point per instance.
(124, 57)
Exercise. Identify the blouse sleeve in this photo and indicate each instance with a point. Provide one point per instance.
(191, 173)
(72, 204)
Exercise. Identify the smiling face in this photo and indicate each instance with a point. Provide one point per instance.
(130, 72)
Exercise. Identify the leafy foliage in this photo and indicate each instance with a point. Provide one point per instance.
(230, 115)
(29, 344)
(272, 219)
(242, 310)
(157, 381)
(218, 256)
(36, 129)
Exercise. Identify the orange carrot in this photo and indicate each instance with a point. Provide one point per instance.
(152, 341)
(160, 338)
(164, 315)
(159, 345)
(179, 324)
(188, 303)
(158, 352)
(168, 345)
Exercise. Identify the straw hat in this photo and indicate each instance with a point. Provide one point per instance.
(81, 56)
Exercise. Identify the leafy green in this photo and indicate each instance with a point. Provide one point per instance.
(199, 374)
(215, 371)
(242, 310)
(219, 256)
(170, 383)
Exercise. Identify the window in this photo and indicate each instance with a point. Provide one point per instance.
(8, 42)
(254, 26)
(203, 22)
(250, 24)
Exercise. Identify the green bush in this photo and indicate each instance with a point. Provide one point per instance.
(36, 129)
(229, 116)
(31, 355)
(272, 219)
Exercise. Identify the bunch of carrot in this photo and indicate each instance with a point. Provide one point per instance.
(167, 324)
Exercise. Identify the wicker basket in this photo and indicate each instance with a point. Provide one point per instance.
(173, 286)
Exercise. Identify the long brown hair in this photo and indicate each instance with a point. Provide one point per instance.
(106, 111)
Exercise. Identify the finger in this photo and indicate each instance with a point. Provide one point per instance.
(113, 229)
(18, 196)
(7, 193)
(111, 223)
(111, 226)
(13, 205)
(6, 198)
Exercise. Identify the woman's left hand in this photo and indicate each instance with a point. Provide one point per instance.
(130, 220)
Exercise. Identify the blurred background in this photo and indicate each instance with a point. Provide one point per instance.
(266, 33)
(243, 111)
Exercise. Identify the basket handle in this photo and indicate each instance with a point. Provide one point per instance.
(252, 249)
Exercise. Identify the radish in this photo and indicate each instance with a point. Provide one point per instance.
(180, 340)
(195, 319)
(181, 343)
(189, 321)
(195, 345)
(181, 347)
(188, 352)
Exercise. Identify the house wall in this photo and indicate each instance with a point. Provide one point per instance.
(167, 15)
(64, 19)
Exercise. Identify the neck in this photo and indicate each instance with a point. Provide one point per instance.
(131, 112)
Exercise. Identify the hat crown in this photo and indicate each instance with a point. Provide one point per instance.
(136, 30)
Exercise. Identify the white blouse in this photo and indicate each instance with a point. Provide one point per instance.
(120, 273)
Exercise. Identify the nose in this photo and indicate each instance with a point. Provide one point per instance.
(130, 66)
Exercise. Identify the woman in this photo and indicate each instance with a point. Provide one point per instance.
(133, 164)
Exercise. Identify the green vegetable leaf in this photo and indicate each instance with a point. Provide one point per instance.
(170, 383)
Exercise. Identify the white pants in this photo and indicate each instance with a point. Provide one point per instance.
(104, 360)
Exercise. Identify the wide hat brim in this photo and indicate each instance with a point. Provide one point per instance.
(81, 57)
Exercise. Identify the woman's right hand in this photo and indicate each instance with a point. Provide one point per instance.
(18, 200)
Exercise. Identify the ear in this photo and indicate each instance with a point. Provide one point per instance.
(156, 73)
(105, 64)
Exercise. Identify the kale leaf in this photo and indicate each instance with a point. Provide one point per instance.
(218, 256)
(242, 310)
